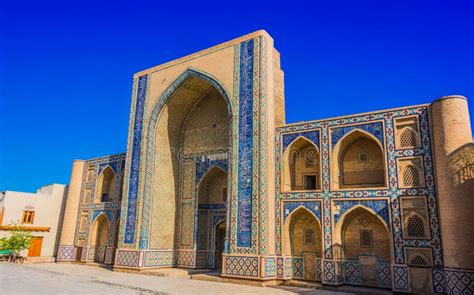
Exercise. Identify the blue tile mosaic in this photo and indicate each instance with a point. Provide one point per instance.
(135, 161)
(204, 164)
(108, 213)
(312, 136)
(380, 207)
(244, 222)
(314, 207)
(375, 128)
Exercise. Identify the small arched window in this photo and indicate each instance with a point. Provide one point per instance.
(416, 227)
(411, 176)
(408, 138)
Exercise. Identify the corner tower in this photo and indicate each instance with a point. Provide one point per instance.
(454, 164)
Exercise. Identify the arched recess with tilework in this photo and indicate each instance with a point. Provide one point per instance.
(99, 237)
(192, 123)
(302, 240)
(358, 161)
(301, 168)
(105, 186)
(212, 199)
(362, 240)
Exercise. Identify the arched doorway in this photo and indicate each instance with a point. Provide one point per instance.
(212, 197)
(365, 247)
(100, 237)
(303, 243)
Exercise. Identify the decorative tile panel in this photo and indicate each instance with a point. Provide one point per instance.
(312, 136)
(352, 272)
(132, 202)
(375, 128)
(384, 275)
(245, 174)
(298, 268)
(313, 206)
(127, 258)
(400, 276)
(242, 266)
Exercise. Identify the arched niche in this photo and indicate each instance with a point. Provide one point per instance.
(358, 161)
(302, 238)
(99, 237)
(192, 119)
(301, 169)
(105, 186)
(212, 188)
(363, 236)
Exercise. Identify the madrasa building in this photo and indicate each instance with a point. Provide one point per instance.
(213, 178)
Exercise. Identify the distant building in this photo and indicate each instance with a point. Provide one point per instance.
(41, 213)
(215, 178)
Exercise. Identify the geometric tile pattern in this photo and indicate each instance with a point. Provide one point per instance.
(384, 275)
(280, 268)
(128, 258)
(379, 207)
(329, 271)
(66, 253)
(319, 269)
(352, 272)
(375, 129)
(185, 258)
(109, 255)
(241, 266)
(298, 267)
(314, 207)
(400, 276)
(313, 136)
(459, 281)
(158, 258)
(270, 267)
(288, 267)
(439, 281)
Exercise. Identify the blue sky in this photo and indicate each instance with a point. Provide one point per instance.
(66, 67)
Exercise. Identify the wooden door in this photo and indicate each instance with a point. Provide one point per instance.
(35, 247)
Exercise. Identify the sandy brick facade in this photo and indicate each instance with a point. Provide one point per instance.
(214, 178)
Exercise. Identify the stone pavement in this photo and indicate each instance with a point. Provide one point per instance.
(52, 278)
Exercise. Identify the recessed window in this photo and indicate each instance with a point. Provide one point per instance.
(310, 182)
(308, 236)
(408, 138)
(411, 176)
(28, 217)
(363, 157)
(366, 239)
(416, 227)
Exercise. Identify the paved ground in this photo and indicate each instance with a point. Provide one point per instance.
(52, 278)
